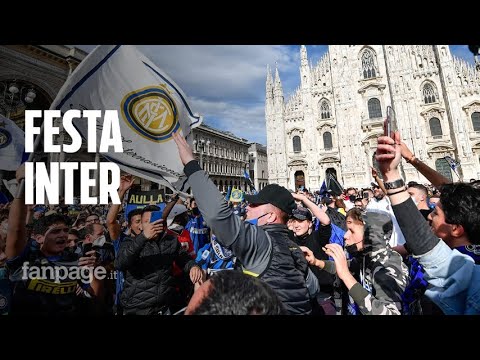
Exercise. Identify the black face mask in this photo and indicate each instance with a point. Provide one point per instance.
(352, 249)
(195, 211)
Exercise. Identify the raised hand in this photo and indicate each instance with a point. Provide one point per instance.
(184, 150)
(406, 152)
(299, 197)
(126, 182)
(389, 154)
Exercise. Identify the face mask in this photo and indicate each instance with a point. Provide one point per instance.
(255, 221)
(176, 227)
(195, 211)
(352, 249)
(414, 201)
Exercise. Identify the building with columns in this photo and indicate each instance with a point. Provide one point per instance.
(223, 155)
(331, 122)
(37, 72)
(258, 165)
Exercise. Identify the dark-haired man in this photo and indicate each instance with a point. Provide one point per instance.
(419, 195)
(453, 276)
(41, 276)
(234, 293)
(147, 261)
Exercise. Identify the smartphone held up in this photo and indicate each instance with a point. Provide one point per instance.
(390, 125)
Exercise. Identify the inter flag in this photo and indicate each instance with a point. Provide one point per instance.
(150, 105)
(454, 164)
(323, 188)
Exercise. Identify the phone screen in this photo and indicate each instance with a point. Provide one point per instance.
(86, 248)
(155, 215)
(390, 123)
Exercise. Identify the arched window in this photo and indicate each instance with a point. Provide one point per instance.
(374, 108)
(297, 144)
(327, 141)
(325, 110)
(368, 64)
(429, 94)
(441, 165)
(476, 121)
(435, 127)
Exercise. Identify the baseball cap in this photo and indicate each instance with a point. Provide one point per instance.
(301, 213)
(375, 185)
(276, 195)
(176, 210)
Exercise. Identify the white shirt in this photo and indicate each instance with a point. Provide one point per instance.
(385, 206)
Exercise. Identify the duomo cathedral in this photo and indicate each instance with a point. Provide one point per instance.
(331, 122)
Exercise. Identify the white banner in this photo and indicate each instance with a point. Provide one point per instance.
(151, 107)
(12, 144)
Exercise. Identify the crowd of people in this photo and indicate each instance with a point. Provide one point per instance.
(390, 249)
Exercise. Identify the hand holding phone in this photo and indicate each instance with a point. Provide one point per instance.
(87, 248)
(155, 215)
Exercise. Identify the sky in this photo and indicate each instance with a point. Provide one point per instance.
(226, 83)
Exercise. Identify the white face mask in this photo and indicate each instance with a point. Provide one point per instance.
(176, 227)
(414, 201)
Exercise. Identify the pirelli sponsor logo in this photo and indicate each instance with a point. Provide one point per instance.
(50, 287)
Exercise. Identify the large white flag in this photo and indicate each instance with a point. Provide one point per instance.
(150, 105)
(12, 144)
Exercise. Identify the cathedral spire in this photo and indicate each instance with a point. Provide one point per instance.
(269, 92)
(278, 83)
(269, 84)
(303, 55)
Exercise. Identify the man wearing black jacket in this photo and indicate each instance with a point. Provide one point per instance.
(262, 243)
(147, 262)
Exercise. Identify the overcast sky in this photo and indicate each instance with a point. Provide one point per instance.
(226, 84)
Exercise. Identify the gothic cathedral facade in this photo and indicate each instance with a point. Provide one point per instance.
(331, 122)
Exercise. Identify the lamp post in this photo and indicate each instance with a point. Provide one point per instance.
(202, 144)
(15, 96)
